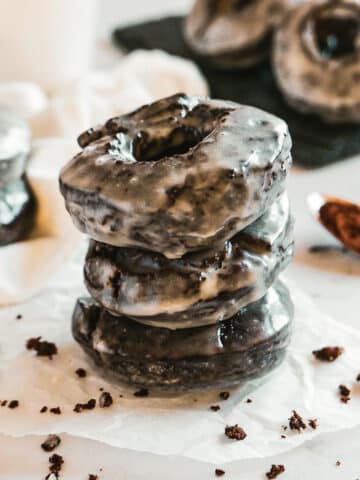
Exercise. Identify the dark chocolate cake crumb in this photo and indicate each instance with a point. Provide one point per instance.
(275, 470)
(89, 405)
(105, 400)
(18, 316)
(328, 354)
(249, 400)
(296, 422)
(143, 392)
(43, 409)
(92, 477)
(51, 442)
(42, 347)
(13, 404)
(224, 395)
(313, 423)
(215, 408)
(55, 410)
(358, 378)
(81, 372)
(4, 403)
(344, 392)
(283, 436)
(235, 432)
(338, 463)
(219, 472)
(56, 461)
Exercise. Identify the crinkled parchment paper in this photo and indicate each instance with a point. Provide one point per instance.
(184, 425)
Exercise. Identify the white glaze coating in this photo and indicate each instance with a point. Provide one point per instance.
(310, 82)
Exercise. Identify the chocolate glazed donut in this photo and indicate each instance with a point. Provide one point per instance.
(202, 287)
(233, 33)
(249, 345)
(316, 59)
(17, 210)
(178, 175)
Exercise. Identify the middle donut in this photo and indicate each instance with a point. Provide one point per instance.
(198, 289)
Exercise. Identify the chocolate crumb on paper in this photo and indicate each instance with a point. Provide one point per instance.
(105, 400)
(143, 392)
(89, 405)
(313, 423)
(296, 422)
(13, 404)
(249, 400)
(344, 392)
(3, 403)
(55, 410)
(234, 432)
(56, 461)
(42, 347)
(93, 477)
(44, 409)
(219, 472)
(215, 408)
(328, 354)
(358, 377)
(275, 470)
(224, 395)
(18, 316)
(51, 442)
(81, 372)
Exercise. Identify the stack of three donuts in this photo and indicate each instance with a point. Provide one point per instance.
(184, 200)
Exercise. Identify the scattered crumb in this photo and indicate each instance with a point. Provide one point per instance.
(219, 472)
(93, 477)
(89, 405)
(42, 347)
(81, 372)
(296, 422)
(344, 392)
(101, 389)
(235, 432)
(313, 423)
(13, 404)
(43, 409)
(18, 316)
(358, 378)
(224, 395)
(328, 354)
(55, 410)
(275, 470)
(284, 427)
(283, 436)
(215, 408)
(143, 392)
(56, 462)
(105, 400)
(3, 403)
(249, 400)
(121, 396)
(338, 463)
(51, 442)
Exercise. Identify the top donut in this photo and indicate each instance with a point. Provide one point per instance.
(177, 175)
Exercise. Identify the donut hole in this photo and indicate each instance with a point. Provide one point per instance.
(335, 32)
(180, 140)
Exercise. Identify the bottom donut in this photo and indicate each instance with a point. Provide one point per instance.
(244, 347)
(17, 211)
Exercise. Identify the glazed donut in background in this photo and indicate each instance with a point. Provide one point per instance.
(17, 201)
(316, 59)
(200, 288)
(178, 175)
(233, 33)
(249, 345)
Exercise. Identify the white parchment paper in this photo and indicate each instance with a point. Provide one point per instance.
(182, 426)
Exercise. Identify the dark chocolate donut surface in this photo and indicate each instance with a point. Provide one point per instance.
(17, 211)
(233, 33)
(248, 345)
(177, 175)
(202, 287)
(316, 59)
